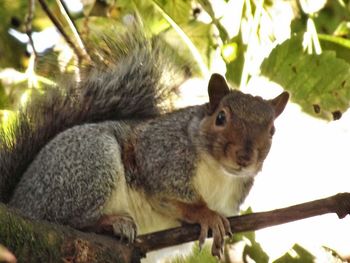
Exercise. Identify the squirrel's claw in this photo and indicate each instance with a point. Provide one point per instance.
(122, 226)
(125, 228)
(203, 235)
(219, 226)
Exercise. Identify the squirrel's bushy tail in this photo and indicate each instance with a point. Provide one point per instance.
(129, 78)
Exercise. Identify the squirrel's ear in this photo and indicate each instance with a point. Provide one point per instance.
(217, 89)
(279, 103)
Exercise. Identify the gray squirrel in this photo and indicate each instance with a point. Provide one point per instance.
(104, 155)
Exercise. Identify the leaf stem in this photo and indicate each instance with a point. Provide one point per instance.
(195, 53)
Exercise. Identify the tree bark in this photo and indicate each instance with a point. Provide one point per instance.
(40, 241)
(33, 241)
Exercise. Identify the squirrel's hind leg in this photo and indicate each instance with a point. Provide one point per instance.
(122, 226)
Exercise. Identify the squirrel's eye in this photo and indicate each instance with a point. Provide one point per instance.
(220, 119)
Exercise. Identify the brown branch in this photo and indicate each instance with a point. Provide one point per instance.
(339, 204)
(66, 10)
(46, 242)
(80, 53)
(28, 24)
(65, 13)
(40, 241)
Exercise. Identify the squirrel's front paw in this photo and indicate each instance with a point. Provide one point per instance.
(122, 226)
(219, 226)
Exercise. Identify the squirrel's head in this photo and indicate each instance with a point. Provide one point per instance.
(238, 127)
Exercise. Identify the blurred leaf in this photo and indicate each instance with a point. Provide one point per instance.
(334, 254)
(178, 10)
(97, 8)
(256, 253)
(229, 52)
(186, 38)
(320, 84)
(235, 67)
(197, 256)
(199, 35)
(328, 19)
(206, 5)
(151, 17)
(4, 99)
(252, 249)
(343, 30)
(297, 254)
(11, 14)
(338, 44)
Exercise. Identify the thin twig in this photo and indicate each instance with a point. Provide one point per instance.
(67, 13)
(72, 26)
(339, 204)
(28, 24)
(80, 54)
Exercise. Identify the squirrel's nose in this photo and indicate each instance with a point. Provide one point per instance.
(243, 157)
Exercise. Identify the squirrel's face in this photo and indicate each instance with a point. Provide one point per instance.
(238, 128)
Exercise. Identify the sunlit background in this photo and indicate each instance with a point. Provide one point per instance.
(309, 158)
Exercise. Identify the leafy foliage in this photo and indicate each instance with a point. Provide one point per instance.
(252, 249)
(319, 83)
(297, 254)
(202, 34)
(197, 256)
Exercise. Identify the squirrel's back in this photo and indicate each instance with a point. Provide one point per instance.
(129, 79)
(71, 177)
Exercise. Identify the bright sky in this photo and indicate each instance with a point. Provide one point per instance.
(308, 160)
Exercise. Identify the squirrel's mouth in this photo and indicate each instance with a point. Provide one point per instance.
(238, 172)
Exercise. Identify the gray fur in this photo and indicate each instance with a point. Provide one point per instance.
(124, 81)
(251, 109)
(72, 176)
(167, 155)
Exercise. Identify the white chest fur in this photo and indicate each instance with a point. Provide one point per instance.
(126, 201)
(221, 191)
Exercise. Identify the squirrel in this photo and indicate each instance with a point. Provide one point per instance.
(105, 155)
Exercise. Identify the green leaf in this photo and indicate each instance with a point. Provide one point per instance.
(229, 52)
(198, 34)
(252, 249)
(185, 38)
(178, 10)
(235, 66)
(206, 5)
(197, 256)
(342, 30)
(256, 253)
(320, 84)
(297, 254)
(338, 44)
(4, 99)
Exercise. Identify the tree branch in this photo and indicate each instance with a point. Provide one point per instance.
(81, 53)
(28, 23)
(38, 241)
(46, 242)
(339, 204)
(65, 13)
